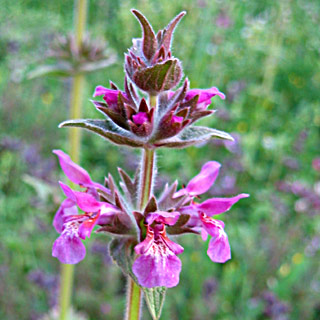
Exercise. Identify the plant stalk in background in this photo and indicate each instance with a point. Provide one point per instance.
(78, 83)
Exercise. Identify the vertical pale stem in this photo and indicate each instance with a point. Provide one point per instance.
(134, 293)
(78, 82)
(134, 299)
(80, 19)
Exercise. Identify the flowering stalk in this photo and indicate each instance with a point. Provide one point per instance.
(141, 222)
(78, 83)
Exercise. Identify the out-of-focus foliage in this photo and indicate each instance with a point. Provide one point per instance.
(265, 56)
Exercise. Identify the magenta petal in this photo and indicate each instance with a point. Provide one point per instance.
(70, 194)
(169, 218)
(202, 182)
(110, 95)
(84, 200)
(145, 245)
(219, 205)
(174, 247)
(87, 202)
(69, 250)
(156, 270)
(212, 226)
(66, 209)
(219, 248)
(204, 234)
(177, 119)
(100, 90)
(86, 228)
(73, 171)
(204, 94)
(140, 118)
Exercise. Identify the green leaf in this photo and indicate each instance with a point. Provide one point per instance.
(150, 44)
(107, 130)
(155, 299)
(193, 135)
(168, 31)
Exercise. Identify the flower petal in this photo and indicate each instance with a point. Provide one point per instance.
(219, 205)
(219, 248)
(202, 182)
(157, 269)
(69, 250)
(77, 174)
(140, 118)
(204, 94)
(73, 171)
(145, 245)
(87, 226)
(85, 201)
(100, 90)
(212, 226)
(110, 96)
(67, 208)
(169, 218)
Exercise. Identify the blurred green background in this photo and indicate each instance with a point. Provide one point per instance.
(265, 56)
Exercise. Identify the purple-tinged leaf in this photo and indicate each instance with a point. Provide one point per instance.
(149, 45)
(168, 31)
(160, 77)
(106, 130)
(191, 136)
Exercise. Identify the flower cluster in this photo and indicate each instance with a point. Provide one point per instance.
(174, 213)
(142, 223)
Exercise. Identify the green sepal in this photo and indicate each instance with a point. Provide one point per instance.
(154, 298)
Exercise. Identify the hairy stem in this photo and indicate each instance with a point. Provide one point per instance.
(146, 177)
(78, 83)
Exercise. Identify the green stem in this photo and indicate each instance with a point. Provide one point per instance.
(75, 113)
(134, 297)
(78, 83)
(65, 289)
(67, 270)
(80, 17)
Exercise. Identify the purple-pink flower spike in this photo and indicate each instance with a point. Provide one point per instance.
(140, 222)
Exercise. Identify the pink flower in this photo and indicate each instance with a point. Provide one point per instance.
(68, 248)
(205, 95)
(78, 175)
(157, 264)
(201, 213)
(140, 118)
(202, 182)
(110, 96)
